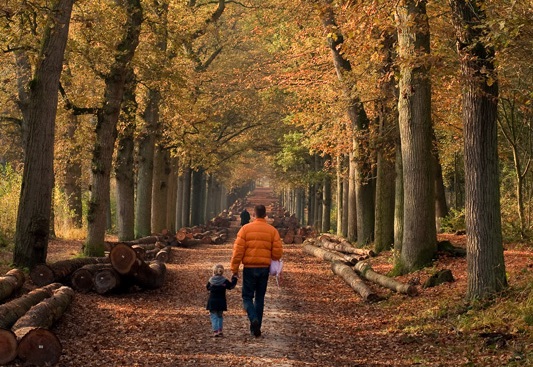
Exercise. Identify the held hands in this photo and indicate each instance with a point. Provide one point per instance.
(235, 275)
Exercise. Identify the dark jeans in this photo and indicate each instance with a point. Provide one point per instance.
(254, 286)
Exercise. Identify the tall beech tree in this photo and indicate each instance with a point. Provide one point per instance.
(106, 129)
(124, 166)
(414, 108)
(485, 262)
(363, 212)
(33, 218)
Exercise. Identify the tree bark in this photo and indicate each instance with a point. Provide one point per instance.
(11, 282)
(35, 203)
(485, 261)
(106, 130)
(322, 254)
(124, 166)
(366, 272)
(186, 199)
(11, 311)
(341, 245)
(326, 207)
(160, 189)
(350, 277)
(145, 169)
(414, 107)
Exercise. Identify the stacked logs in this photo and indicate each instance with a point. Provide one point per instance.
(197, 235)
(11, 283)
(347, 262)
(25, 323)
(289, 228)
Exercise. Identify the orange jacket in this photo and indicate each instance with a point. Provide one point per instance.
(257, 243)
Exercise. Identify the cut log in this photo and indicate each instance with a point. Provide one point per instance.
(124, 259)
(323, 254)
(60, 271)
(356, 283)
(10, 312)
(38, 347)
(83, 279)
(163, 255)
(107, 280)
(8, 346)
(151, 275)
(36, 344)
(11, 282)
(140, 251)
(365, 270)
(329, 242)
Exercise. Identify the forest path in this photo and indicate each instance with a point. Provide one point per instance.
(313, 319)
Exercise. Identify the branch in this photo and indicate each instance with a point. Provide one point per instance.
(75, 109)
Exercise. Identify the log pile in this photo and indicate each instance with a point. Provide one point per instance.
(351, 268)
(60, 271)
(24, 324)
(289, 228)
(197, 235)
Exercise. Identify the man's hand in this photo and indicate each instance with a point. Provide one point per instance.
(236, 275)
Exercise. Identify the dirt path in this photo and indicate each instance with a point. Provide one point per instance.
(313, 319)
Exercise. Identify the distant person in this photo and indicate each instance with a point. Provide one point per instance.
(216, 303)
(245, 217)
(255, 246)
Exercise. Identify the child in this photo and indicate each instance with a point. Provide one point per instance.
(216, 304)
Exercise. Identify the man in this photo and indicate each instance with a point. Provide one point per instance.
(245, 217)
(256, 245)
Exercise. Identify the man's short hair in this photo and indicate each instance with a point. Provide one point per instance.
(260, 211)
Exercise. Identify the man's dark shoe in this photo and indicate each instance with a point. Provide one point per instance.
(256, 330)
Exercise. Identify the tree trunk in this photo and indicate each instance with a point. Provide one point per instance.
(485, 261)
(366, 272)
(196, 199)
(36, 344)
(106, 130)
(145, 170)
(352, 201)
(172, 195)
(186, 199)
(441, 207)
(11, 311)
(345, 204)
(350, 277)
(124, 166)
(326, 207)
(33, 217)
(73, 173)
(338, 195)
(398, 203)
(388, 129)
(160, 189)
(414, 107)
(11, 282)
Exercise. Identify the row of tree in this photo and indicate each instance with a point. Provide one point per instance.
(181, 102)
